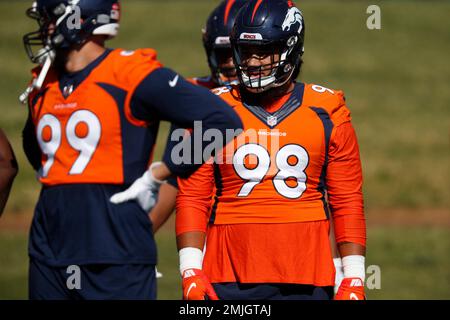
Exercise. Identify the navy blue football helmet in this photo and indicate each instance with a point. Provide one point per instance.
(64, 23)
(216, 39)
(274, 27)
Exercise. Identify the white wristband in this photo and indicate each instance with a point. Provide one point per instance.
(190, 258)
(354, 267)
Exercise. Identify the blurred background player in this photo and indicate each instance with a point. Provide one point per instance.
(268, 228)
(93, 117)
(8, 170)
(216, 41)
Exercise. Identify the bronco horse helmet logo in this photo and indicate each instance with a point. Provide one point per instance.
(293, 16)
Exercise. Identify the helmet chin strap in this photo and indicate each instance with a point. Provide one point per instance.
(39, 81)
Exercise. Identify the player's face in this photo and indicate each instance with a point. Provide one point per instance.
(258, 60)
(226, 65)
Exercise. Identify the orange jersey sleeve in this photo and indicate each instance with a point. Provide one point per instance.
(194, 200)
(343, 173)
(344, 186)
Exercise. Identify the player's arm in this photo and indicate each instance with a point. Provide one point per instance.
(165, 95)
(193, 206)
(344, 184)
(165, 205)
(8, 170)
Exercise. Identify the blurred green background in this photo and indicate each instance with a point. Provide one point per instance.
(397, 86)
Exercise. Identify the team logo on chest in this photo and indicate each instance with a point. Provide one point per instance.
(272, 121)
(67, 90)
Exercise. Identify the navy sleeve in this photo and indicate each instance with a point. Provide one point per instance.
(173, 181)
(164, 95)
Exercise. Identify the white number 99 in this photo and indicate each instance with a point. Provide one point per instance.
(85, 145)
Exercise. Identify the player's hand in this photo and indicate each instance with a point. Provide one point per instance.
(144, 190)
(196, 286)
(351, 289)
(158, 274)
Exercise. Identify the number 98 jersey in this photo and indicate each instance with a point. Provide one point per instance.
(83, 131)
(275, 171)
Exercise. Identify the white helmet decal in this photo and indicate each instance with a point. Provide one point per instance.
(293, 16)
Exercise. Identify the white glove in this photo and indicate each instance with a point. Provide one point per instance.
(144, 190)
(158, 274)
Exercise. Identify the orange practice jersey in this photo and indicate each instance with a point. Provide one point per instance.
(89, 135)
(269, 219)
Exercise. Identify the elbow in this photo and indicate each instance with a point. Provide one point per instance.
(10, 175)
(9, 171)
(13, 173)
(14, 169)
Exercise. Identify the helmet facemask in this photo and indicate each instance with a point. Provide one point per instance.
(276, 64)
(38, 44)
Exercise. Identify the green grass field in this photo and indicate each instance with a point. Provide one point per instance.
(397, 86)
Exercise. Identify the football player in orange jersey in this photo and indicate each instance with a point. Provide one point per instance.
(268, 228)
(218, 51)
(8, 170)
(93, 117)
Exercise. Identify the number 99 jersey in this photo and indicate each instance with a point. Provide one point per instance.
(275, 170)
(84, 133)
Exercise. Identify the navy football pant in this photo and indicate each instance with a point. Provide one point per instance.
(96, 282)
(258, 291)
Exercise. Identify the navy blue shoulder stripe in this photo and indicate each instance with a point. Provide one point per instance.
(328, 128)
